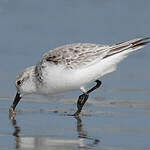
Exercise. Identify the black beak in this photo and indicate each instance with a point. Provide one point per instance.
(16, 101)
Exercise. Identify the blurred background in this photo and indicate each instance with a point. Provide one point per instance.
(29, 28)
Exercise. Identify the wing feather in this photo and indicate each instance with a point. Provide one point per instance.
(76, 55)
(83, 54)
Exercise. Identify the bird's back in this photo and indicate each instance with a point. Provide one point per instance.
(72, 66)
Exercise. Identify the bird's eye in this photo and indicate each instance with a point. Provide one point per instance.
(18, 82)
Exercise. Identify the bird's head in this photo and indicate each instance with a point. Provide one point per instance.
(24, 84)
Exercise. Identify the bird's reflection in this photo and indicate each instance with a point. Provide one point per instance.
(83, 141)
(16, 133)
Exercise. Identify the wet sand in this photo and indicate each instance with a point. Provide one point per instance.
(103, 124)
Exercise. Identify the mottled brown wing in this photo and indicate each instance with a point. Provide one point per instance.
(76, 55)
(82, 54)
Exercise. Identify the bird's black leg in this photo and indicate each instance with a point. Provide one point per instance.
(83, 98)
(81, 101)
(98, 84)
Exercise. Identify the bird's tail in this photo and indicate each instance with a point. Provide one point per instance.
(132, 44)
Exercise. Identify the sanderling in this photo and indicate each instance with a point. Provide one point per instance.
(72, 67)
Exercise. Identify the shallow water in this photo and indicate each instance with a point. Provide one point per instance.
(104, 124)
(117, 116)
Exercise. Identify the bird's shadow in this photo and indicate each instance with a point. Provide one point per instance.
(84, 141)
